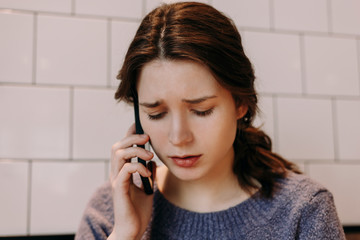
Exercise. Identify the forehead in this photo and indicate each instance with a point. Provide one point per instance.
(176, 77)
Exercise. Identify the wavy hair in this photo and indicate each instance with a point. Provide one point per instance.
(198, 32)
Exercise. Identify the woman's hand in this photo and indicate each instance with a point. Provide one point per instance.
(132, 207)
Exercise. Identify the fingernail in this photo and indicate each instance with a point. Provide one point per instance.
(144, 136)
(149, 153)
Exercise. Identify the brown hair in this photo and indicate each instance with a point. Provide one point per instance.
(198, 32)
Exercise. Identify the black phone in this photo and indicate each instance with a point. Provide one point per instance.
(147, 182)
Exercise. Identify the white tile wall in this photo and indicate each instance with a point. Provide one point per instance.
(63, 6)
(282, 75)
(122, 33)
(58, 119)
(345, 16)
(99, 122)
(305, 128)
(246, 13)
(342, 180)
(60, 192)
(14, 197)
(348, 129)
(16, 47)
(34, 122)
(71, 51)
(301, 15)
(331, 66)
(110, 8)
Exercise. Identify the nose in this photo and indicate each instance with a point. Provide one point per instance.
(180, 131)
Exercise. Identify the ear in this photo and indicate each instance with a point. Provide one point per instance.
(241, 111)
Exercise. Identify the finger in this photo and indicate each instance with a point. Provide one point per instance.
(132, 152)
(123, 156)
(123, 179)
(129, 141)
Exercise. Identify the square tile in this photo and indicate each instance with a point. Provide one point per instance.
(99, 122)
(71, 51)
(16, 47)
(345, 16)
(246, 13)
(62, 190)
(63, 6)
(34, 122)
(114, 8)
(348, 129)
(301, 15)
(122, 33)
(331, 66)
(14, 196)
(305, 129)
(282, 75)
(341, 180)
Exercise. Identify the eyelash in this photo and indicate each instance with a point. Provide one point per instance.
(198, 113)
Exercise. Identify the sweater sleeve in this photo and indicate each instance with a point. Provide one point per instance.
(98, 218)
(319, 219)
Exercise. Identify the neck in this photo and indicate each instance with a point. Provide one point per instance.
(215, 192)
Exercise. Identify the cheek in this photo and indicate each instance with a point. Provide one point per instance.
(156, 133)
(224, 129)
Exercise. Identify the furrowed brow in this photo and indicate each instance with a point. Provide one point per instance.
(198, 100)
(151, 105)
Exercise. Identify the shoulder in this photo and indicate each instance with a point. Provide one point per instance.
(293, 195)
(298, 191)
(98, 218)
(299, 187)
(310, 206)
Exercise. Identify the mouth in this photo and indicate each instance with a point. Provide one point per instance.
(185, 161)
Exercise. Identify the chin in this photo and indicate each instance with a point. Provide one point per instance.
(186, 174)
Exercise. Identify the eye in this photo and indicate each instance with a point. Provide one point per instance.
(204, 113)
(156, 116)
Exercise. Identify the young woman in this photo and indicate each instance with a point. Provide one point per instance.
(195, 88)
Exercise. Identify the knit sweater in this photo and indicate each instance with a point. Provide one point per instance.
(299, 209)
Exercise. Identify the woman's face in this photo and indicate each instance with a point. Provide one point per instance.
(190, 118)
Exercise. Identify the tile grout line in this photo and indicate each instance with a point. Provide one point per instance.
(109, 47)
(71, 123)
(335, 129)
(272, 15)
(303, 64)
(275, 124)
(28, 217)
(34, 50)
(144, 6)
(358, 59)
(73, 4)
(329, 17)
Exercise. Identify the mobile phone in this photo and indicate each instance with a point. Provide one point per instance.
(147, 182)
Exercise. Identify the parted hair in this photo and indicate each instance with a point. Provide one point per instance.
(200, 33)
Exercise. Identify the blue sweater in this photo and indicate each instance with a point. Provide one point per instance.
(300, 209)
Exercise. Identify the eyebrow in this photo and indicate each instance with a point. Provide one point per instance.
(190, 101)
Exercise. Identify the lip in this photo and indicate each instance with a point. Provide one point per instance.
(186, 161)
